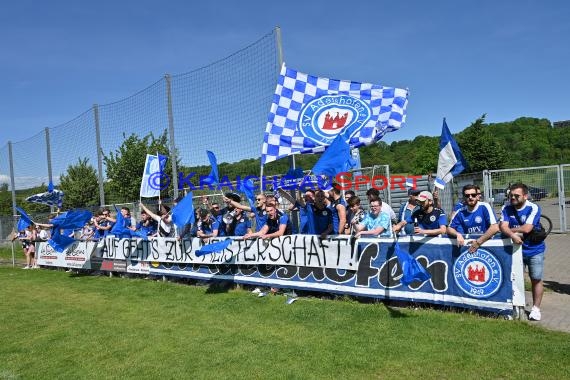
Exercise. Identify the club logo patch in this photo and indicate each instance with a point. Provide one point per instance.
(478, 274)
(323, 118)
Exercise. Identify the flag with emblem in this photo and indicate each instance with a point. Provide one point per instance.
(308, 112)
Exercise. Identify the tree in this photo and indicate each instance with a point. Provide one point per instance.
(481, 149)
(124, 167)
(80, 185)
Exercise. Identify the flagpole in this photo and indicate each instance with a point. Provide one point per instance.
(261, 180)
(160, 170)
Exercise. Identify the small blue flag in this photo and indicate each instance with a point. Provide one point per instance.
(183, 212)
(411, 269)
(50, 186)
(68, 220)
(24, 221)
(451, 161)
(336, 158)
(247, 187)
(60, 242)
(214, 174)
(214, 247)
(120, 228)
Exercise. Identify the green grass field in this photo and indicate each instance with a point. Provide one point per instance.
(60, 325)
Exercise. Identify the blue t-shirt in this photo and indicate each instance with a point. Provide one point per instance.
(260, 218)
(274, 224)
(372, 221)
(335, 217)
(429, 221)
(306, 218)
(406, 214)
(474, 222)
(241, 225)
(210, 226)
(321, 220)
(529, 214)
(148, 230)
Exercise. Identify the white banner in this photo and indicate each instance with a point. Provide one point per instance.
(296, 250)
(76, 255)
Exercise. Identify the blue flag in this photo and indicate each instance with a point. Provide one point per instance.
(50, 186)
(246, 187)
(214, 247)
(24, 221)
(120, 227)
(308, 112)
(214, 174)
(411, 269)
(336, 159)
(451, 161)
(183, 212)
(50, 198)
(68, 220)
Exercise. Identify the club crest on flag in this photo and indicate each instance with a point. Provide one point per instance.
(478, 274)
(308, 112)
(322, 119)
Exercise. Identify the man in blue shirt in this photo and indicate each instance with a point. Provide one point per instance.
(522, 216)
(376, 223)
(277, 224)
(473, 218)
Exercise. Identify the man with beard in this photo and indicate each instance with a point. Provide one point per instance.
(428, 220)
(522, 216)
(473, 218)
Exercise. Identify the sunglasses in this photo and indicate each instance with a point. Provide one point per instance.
(258, 199)
(471, 195)
(515, 196)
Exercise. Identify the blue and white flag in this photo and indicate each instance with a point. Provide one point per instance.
(308, 112)
(451, 162)
(51, 197)
(152, 175)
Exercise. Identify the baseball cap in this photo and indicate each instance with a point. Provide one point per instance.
(424, 196)
(413, 191)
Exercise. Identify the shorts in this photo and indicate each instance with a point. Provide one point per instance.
(535, 265)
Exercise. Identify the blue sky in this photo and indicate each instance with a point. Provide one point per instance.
(459, 59)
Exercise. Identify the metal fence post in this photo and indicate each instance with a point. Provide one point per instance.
(48, 157)
(99, 155)
(12, 182)
(171, 136)
(561, 198)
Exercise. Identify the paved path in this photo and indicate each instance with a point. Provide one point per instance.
(555, 306)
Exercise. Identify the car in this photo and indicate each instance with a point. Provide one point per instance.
(534, 194)
(537, 193)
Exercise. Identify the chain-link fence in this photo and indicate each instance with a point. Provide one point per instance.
(221, 107)
(546, 185)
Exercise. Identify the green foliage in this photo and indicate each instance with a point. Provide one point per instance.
(80, 185)
(125, 165)
(481, 149)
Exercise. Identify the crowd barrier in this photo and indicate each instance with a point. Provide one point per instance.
(490, 278)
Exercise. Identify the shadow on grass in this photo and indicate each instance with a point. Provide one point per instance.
(219, 286)
(557, 287)
(395, 312)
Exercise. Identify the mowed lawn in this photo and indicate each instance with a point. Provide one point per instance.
(55, 324)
